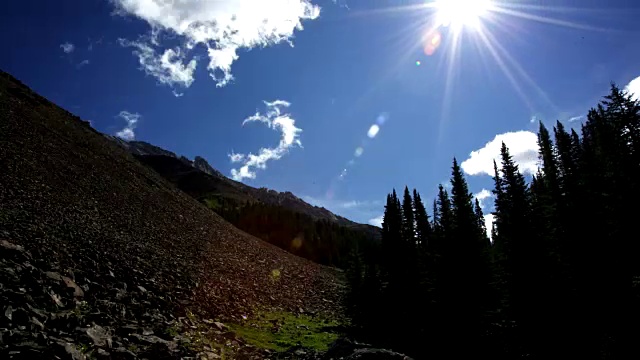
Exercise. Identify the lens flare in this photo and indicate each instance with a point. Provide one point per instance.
(373, 131)
(432, 42)
(382, 118)
(296, 243)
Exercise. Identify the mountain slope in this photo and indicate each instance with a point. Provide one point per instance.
(91, 236)
(200, 179)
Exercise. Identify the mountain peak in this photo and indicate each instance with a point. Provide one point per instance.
(201, 164)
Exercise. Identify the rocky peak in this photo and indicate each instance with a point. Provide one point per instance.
(201, 164)
(144, 148)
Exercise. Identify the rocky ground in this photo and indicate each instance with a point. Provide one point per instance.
(100, 257)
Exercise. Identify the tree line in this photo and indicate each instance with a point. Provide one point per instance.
(322, 241)
(558, 278)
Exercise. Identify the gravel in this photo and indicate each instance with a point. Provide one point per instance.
(100, 256)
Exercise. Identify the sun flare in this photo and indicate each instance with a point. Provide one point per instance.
(461, 13)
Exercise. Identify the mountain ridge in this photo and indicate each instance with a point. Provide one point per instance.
(153, 156)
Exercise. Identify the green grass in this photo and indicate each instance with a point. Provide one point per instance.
(280, 331)
(212, 203)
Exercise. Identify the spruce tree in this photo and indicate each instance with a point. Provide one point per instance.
(408, 221)
(423, 226)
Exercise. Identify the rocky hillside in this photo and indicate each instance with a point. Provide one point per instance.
(102, 257)
(199, 178)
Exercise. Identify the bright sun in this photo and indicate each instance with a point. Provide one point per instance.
(460, 13)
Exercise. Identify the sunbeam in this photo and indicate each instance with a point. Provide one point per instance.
(446, 26)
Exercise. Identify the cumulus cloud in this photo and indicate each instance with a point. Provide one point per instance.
(221, 26)
(483, 195)
(523, 147)
(275, 119)
(488, 223)
(634, 88)
(376, 221)
(67, 47)
(127, 132)
(168, 68)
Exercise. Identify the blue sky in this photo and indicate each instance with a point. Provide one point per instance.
(298, 84)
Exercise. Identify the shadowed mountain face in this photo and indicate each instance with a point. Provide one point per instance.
(100, 253)
(201, 180)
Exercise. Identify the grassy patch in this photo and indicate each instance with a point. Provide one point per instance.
(213, 203)
(281, 330)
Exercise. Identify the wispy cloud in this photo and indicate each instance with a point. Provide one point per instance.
(67, 47)
(357, 210)
(634, 88)
(92, 43)
(235, 158)
(342, 4)
(523, 147)
(341, 204)
(82, 63)
(275, 119)
(132, 119)
(376, 221)
(221, 26)
(168, 68)
(482, 196)
(576, 118)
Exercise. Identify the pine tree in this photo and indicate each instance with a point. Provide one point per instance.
(480, 223)
(423, 226)
(465, 257)
(408, 221)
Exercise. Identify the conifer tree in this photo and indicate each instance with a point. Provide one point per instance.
(408, 221)
(423, 226)
(480, 223)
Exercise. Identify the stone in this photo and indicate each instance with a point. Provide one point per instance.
(9, 246)
(99, 335)
(77, 291)
(74, 352)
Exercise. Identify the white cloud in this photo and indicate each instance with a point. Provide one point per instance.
(82, 63)
(222, 26)
(236, 157)
(523, 147)
(169, 68)
(277, 120)
(342, 204)
(342, 4)
(376, 221)
(351, 204)
(576, 118)
(67, 47)
(357, 210)
(634, 88)
(488, 223)
(127, 132)
(483, 195)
